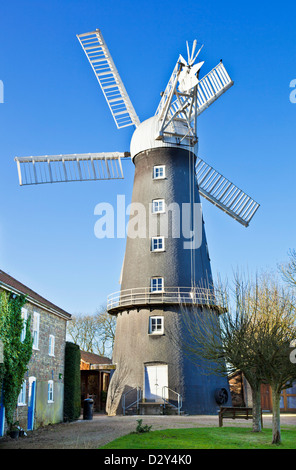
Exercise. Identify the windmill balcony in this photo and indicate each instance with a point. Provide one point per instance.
(141, 297)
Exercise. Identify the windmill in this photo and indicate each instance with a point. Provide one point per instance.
(158, 272)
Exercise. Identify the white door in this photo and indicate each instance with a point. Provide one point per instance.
(156, 377)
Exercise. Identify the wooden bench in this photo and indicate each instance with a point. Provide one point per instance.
(231, 412)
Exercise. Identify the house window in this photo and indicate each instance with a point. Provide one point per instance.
(21, 401)
(36, 322)
(51, 345)
(24, 318)
(156, 325)
(158, 206)
(157, 244)
(157, 284)
(158, 172)
(50, 392)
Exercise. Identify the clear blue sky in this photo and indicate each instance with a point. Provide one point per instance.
(53, 104)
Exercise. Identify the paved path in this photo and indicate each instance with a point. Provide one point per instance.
(103, 429)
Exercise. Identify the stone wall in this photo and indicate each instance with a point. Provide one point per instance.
(45, 367)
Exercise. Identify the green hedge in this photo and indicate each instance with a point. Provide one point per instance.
(2, 370)
(72, 382)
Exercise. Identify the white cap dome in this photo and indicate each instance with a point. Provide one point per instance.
(144, 137)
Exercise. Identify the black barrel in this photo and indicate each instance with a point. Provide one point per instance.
(88, 408)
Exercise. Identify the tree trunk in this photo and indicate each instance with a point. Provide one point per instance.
(276, 420)
(256, 398)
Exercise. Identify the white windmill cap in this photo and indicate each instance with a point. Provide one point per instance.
(144, 137)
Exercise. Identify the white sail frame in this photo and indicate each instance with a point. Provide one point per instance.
(222, 193)
(70, 167)
(109, 79)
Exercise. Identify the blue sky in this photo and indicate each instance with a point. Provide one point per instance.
(53, 105)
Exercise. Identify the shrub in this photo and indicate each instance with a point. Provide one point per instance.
(72, 382)
(140, 429)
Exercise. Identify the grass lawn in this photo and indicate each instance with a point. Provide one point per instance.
(205, 438)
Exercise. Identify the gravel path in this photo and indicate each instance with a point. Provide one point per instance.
(103, 429)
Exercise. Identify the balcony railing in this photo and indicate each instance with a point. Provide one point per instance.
(171, 295)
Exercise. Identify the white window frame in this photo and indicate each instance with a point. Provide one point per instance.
(154, 330)
(152, 289)
(25, 318)
(36, 327)
(158, 239)
(50, 390)
(155, 170)
(21, 401)
(51, 345)
(155, 206)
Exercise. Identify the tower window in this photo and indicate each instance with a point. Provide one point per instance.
(156, 325)
(157, 244)
(157, 284)
(159, 172)
(158, 206)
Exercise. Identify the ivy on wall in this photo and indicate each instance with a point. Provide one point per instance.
(17, 353)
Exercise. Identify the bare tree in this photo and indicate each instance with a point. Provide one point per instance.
(223, 336)
(105, 327)
(93, 333)
(275, 330)
(288, 270)
(116, 388)
(253, 335)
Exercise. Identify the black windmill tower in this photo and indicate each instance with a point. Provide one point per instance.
(164, 267)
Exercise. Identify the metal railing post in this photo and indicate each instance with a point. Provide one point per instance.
(167, 400)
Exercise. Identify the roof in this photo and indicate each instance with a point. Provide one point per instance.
(8, 282)
(92, 358)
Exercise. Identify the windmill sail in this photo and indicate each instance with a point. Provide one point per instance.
(211, 86)
(108, 77)
(176, 106)
(222, 193)
(68, 168)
